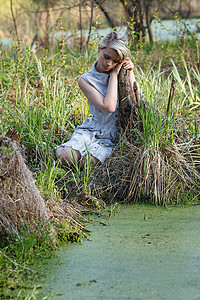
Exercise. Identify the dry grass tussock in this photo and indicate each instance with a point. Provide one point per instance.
(21, 203)
(134, 173)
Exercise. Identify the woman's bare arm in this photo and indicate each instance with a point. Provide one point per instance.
(107, 103)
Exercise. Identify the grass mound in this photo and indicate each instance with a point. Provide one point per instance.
(134, 174)
(21, 202)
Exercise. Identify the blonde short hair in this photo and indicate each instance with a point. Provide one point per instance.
(117, 42)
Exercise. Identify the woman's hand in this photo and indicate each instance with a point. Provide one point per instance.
(117, 68)
(127, 64)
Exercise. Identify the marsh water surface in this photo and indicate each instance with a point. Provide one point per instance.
(143, 252)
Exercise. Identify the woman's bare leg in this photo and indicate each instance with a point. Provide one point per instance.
(93, 160)
(68, 156)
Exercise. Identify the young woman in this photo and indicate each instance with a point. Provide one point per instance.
(97, 135)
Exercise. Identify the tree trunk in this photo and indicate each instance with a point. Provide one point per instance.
(81, 27)
(127, 109)
(148, 22)
(110, 20)
(129, 113)
(46, 36)
(15, 22)
(90, 26)
(135, 19)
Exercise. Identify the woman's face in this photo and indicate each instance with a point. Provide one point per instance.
(108, 58)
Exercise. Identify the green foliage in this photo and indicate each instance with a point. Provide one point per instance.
(4, 149)
(23, 250)
(66, 233)
(40, 97)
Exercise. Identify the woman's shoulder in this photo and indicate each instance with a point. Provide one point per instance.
(94, 73)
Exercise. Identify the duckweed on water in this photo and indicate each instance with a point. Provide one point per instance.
(131, 258)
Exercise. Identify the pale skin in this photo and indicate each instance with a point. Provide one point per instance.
(108, 59)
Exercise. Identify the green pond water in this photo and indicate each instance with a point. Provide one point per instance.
(144, 252)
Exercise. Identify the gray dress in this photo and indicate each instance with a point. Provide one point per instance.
(97, 134)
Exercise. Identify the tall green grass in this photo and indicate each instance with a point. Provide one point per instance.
(166, 133)
(40, 96)
(45, 106)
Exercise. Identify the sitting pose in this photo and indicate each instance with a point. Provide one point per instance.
(97, 135)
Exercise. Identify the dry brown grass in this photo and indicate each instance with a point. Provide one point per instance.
(20, 200)
(134, 174)
(21, 203)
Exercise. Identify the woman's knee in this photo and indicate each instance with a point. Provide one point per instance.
(94, 160)
(61, 152)
(68, 155)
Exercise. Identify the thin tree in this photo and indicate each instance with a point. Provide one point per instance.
(148, 4)
(108, 17)
(46, 38)
(80, 24)
(14, 21)
(90, 25)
